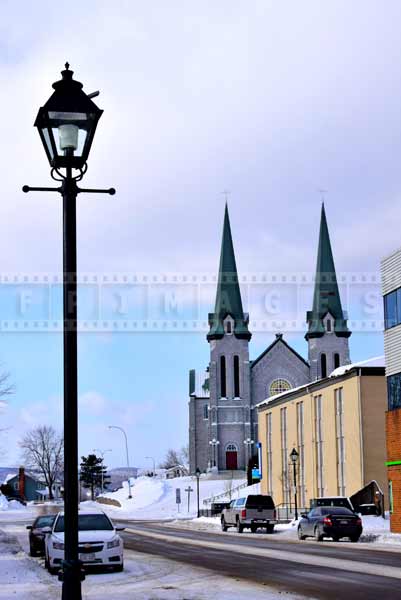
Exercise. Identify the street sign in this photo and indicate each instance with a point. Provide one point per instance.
(178, 496)
(188, 490)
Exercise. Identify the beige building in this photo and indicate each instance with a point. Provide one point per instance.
(337, 425)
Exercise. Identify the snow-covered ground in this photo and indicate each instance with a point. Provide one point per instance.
(155, 498)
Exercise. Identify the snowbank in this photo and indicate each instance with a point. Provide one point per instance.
(3, 502)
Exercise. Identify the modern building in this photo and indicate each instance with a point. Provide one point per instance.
(337, 426)
(391, 286)
(223, 421)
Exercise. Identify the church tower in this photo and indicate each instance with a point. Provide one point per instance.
(231, 423)
(327, 333)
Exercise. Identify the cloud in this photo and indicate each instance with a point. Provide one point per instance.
(92, 403)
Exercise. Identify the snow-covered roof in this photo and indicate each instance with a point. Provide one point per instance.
(377, 361)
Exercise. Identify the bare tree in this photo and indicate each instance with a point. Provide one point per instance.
(6, 389)
(172, 459)
(43, 453)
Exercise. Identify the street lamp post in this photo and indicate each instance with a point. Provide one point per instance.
(197, 475)
(102, 452)
(214, 443)
(127, 455)
(294, 458)
(66, 125)
(154, 463)
(248, 443)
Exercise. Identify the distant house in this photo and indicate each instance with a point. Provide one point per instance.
(176, 471)
(17, 483)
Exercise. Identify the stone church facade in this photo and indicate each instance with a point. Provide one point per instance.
(222, 400)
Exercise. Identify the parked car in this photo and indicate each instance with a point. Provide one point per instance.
(36, 535)
(99, 542)
(330, 521)
(333, 501)
(250, 512)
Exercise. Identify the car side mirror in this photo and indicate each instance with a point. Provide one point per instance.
(46, 530)
(119, 528)
(304, 515)
(29, 526)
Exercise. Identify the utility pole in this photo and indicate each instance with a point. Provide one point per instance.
(188, 490)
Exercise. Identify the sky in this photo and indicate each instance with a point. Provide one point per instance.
(272, 102)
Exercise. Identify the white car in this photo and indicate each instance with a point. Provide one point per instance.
(99, 542)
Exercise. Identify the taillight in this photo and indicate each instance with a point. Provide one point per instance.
(359, 521)
(243, 513)
(327, 521)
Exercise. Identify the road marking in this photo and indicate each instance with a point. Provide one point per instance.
(295, 557)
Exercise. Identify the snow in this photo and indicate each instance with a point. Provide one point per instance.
(377, 361)
(3, 502)
(155, 498)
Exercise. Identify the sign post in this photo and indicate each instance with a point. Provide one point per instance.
(178, 498)
(188, 490)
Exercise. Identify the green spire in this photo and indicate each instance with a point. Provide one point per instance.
(326, 298)
(228, 297)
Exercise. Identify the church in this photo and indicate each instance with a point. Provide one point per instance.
(222, 402)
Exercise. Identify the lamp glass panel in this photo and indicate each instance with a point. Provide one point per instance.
(46, 136)
(67, 116)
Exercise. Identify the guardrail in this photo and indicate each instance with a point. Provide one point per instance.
(225, 494)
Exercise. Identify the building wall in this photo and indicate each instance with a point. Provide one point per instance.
(328, 344)
(357, 431)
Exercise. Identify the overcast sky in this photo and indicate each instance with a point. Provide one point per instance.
(269, 100)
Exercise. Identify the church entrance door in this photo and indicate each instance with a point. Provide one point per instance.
(231, 460)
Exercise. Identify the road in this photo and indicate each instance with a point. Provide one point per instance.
(331, 571)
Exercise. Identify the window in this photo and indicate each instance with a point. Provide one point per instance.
(205, 411)
(236, 377)
(284, 456)
(390, 496)
(392, 309)
(328, 325)
(319, 445)
(16, 486)
(336, 360)
(231, 448)
(223, 389)
(228, 327)
(301, 451)
(339, 402)
(269, 453)
(394, 391)
(323, 366)
(278, 386)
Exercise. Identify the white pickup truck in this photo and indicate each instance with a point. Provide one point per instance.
(250, 512)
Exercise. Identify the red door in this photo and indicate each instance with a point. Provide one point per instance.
(231, 460)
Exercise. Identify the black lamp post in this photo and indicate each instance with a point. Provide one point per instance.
(67, 125)
(294, 458)
(197, 474)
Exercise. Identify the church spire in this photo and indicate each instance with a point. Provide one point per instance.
(326, 298)
(228, 297)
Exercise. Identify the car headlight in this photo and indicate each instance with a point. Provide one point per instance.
(58, 545)
(113, 543)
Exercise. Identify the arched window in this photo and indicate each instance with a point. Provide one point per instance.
(236, 377)
(228, 327)
(336, 360)
(328, 324)
(223, 387)
(323, 365)
(278, 386)
(231, 447)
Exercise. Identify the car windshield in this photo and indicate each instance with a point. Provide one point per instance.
(333, 502)
(46, 521)
(336, 510)
(260, 501)
(87, 523)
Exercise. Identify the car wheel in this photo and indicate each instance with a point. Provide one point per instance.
(223, 524)
(32, 551)
(354, 538)
(240, 528)
(318, 535)
(46, 561)
(119, 568)
(335, 538)
(269, 528)
(301, 536)
(253, 529)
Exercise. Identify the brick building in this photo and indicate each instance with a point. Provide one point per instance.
(391, 286)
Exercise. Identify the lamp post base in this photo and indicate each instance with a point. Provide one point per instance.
(71, 576)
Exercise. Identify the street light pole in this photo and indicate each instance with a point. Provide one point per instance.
(248, 443)
(66, 125)
(126, 451)
(197, 475)
(294, 458)
(214, 443)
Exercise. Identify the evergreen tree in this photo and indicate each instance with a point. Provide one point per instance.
(93, 473)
